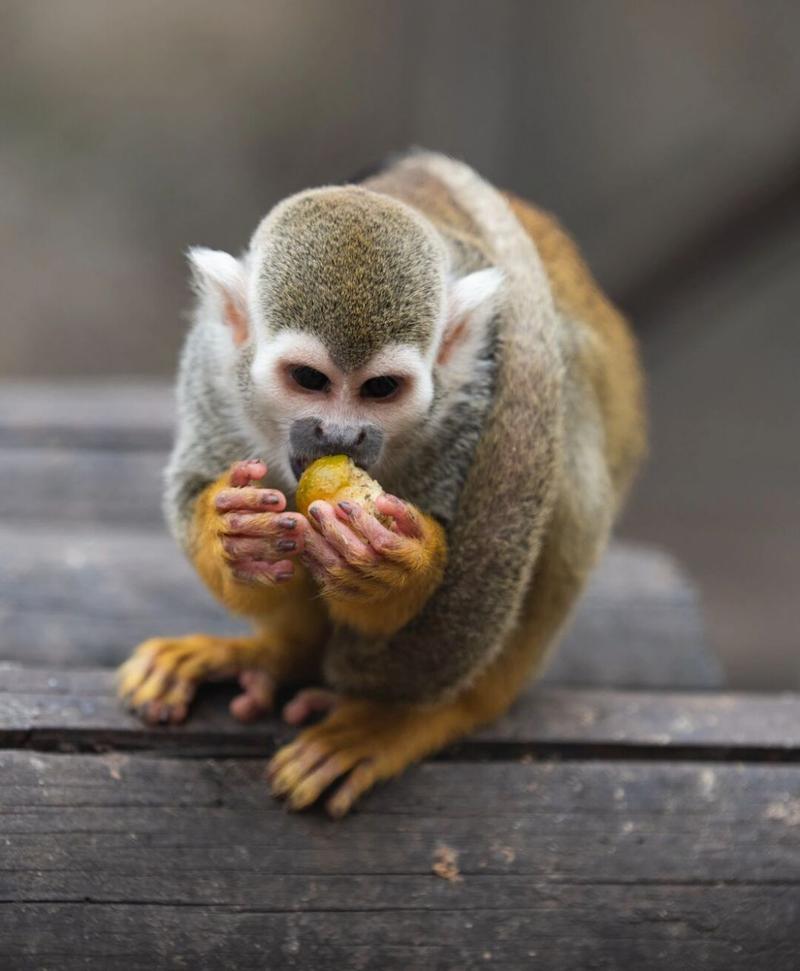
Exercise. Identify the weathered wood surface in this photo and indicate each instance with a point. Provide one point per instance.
(83, 594)
(76, 709)
(87, 570)
(176, 863)
(131, 414)
(571, 855)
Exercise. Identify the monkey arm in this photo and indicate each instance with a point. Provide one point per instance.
(375, 580)
(226, 531)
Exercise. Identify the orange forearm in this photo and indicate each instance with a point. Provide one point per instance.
(206, 551)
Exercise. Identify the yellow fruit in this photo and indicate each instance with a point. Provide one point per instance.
(336, 478)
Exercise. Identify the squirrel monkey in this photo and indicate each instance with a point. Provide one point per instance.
(449, 339)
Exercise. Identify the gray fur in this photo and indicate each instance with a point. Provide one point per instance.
(210, 432)
(508, 489)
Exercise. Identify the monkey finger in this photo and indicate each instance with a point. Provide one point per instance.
(404, 515)
(259, 571)
(320, 558)
(360, 779)
(262, 524)
(250, 499)
(380, 539)
(262, 547)
(243, 473)
(341, 537)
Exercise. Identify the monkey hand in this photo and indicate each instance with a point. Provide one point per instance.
(256, 533)
(374, 578)
(244, 539)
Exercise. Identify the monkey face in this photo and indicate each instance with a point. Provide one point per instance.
(309, 407)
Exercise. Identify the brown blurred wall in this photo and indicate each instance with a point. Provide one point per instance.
(130, 131)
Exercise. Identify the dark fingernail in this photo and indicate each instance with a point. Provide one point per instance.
(269, 499)
(347, 507)
(285, 545)
(315, 514)
(283, 576)
(287, 522)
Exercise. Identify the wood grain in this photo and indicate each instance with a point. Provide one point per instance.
(127, 861)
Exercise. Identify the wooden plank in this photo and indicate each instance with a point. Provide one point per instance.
(87, 595)
(83, 595)
(126, 859)
(101, 827)
(87, 413)
(46, 707)
(98, 486)
(605, 929)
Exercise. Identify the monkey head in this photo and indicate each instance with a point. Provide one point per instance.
(342, 323)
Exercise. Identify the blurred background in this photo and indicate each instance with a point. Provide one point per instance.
(665, 136)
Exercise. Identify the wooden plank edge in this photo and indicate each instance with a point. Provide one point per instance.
(78, 711)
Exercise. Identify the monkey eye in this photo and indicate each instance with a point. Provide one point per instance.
(382, 387)
(309, 378)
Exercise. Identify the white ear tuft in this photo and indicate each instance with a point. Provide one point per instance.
(213, 269)
(476, 289)
(219, 280)
(470, 306)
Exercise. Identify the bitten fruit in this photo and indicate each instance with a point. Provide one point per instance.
(335, 478)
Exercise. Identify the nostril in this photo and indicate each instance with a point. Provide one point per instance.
(318, 431)
(361, 436)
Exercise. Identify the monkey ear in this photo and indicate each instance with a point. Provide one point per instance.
(219, 280)
(470, 307)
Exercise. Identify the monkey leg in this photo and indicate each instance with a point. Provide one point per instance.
(365, 741)
(369, 741)
(163, 674)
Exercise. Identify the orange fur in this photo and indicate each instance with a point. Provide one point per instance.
(611, 363)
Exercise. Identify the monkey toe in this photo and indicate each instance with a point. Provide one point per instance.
(256, 699)
(160, 679)
(356, 744)
(308, 702)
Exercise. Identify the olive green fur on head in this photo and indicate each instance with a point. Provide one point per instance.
(354, 268)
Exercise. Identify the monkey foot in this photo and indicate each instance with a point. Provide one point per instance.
(359, 742)
(162, 675)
